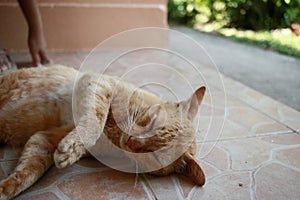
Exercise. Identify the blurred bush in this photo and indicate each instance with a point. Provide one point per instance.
(245, 14)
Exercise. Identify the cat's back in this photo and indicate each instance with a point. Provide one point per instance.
(33, 82)
(38, 97)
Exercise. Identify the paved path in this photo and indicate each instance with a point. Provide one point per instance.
(246, 149)
(273, 74)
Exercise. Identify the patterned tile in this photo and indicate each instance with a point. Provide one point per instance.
(12, 153)
(108, 184)
(247, 154)
(90, 163)
(272, 158)
(214, 129)
(210, 170)
(213, 155)
(51, 178)
(233, 185)
(289, 156)
(276, 180)
(185, 185)
(7, 167)
(283, 139)
(238, 122)
(247, 144)
(254, 121)
(44, 196)
(164, 187)
(264, 104)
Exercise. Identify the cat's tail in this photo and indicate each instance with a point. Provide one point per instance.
(36, 158)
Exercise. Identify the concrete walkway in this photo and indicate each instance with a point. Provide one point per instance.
(273, 74)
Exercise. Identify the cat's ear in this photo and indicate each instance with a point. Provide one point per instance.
(157, 116)
(192, 104)
(194, 171)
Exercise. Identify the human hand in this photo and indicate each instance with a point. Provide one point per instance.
(37, 47)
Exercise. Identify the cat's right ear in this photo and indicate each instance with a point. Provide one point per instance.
(191, 105)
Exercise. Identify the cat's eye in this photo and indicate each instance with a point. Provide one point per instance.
(180, 170)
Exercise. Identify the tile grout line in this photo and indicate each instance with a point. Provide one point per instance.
(177, 186)
(52, 189)
(269, 116)
(256, 109)
(9, 160)
(148, 187)
(59, 193)
(211, 165)
(246, 137)
(276, 150)
(253, 186)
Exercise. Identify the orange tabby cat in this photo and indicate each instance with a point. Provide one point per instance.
(36, 111)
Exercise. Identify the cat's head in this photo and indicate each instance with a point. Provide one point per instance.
(169, 125)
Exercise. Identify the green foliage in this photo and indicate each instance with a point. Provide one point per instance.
(292, 13)
(246, 14)
(182, 11)
(280, 40)
(263, 14)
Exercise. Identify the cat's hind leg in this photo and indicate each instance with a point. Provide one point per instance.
(35, 159)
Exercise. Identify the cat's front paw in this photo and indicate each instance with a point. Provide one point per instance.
(67, 153)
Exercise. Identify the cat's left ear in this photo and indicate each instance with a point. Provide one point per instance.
(193, 170)
(192, 104)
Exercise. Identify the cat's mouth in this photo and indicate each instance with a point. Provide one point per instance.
(129, 141)
(133, 145)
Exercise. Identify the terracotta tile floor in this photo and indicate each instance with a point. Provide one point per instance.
(255, 155)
